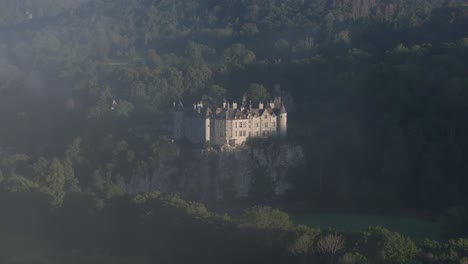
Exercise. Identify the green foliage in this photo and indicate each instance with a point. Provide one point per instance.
(257, 93)
(352, 258)
(54, 182)
(379, 85)
(454, 251)
(384, 246)
(304, 241)
(106, 184)
(73, 151)
(18, 183)
(124, 109)
(265, 217)
(214, 96)
(237, 56)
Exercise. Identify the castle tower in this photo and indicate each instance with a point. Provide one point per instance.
(208, 124)
(178, 119)
(282, 122)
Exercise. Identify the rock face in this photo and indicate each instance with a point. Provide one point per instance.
(210, 175)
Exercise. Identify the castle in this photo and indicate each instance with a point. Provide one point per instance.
(230, 124)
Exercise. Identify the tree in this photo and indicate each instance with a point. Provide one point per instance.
(237, 56)
(257, 93)
(214, 96)
(72, 157)
(330, 245)
(73, 151)
(54, 184)
(154, 59)
(304, 241)
(18, 183)
(265, 217)
(383, 246)
(249, 29)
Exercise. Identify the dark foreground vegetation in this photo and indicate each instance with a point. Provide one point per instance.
(380, 93)
(166, 229)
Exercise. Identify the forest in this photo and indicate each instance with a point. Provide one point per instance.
(380, 93)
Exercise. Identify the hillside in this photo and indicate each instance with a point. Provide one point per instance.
(379, 89)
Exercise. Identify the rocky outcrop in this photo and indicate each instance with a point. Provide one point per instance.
(227, 173)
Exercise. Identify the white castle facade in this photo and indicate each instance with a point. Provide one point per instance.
(230, 124)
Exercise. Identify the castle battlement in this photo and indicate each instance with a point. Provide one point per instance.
(230, 124)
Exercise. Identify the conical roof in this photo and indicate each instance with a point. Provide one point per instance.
(283, 109)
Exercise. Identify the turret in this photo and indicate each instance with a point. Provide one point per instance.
(282, 121)
(208, 114)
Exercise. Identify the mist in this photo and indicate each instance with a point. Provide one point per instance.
(129, 131)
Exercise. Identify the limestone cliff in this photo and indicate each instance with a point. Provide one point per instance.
(210, 175)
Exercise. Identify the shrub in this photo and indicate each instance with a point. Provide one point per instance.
(384, 246)
(265, 217)
(352, 258)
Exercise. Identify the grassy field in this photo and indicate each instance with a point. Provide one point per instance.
(410, 226)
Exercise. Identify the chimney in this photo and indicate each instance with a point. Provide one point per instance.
(234, 105)
(224, 104)
(250, 105)
(260, 106)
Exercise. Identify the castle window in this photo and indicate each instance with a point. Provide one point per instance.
(236, 133)
(266, 124)
(235, 124)
(266, 116)
(240, 124)
(256, 125)
(274, 124)
(249, 134)
(245, 133)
